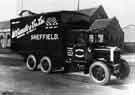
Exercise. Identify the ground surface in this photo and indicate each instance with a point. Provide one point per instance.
(15, 79)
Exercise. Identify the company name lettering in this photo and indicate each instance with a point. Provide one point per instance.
(28, 28)
(44, 37)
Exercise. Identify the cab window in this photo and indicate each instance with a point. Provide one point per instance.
(91, 38)
(96, 38)
(100, 38)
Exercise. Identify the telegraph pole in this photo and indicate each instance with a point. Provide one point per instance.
(21, 4)
(78, 5)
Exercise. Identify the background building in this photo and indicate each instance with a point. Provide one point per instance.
(5, 34)
(129, 31)
(129, 37)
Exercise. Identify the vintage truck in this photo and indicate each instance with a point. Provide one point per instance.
(55, 40)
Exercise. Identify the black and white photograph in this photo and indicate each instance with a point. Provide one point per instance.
(67, 47)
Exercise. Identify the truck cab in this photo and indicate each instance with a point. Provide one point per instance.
(98, 59)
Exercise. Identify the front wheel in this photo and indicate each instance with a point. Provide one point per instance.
(99, 73)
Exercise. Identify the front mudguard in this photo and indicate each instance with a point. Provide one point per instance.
(122, 69)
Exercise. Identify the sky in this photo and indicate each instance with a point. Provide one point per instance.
(124, 10)
(7, 9)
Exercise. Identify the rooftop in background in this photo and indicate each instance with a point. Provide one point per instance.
(129, 31)
(91, 11)
(100, 24)
(130, 27)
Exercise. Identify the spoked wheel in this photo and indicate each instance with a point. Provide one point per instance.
(46, 65)
(31, 62)
(99, 73)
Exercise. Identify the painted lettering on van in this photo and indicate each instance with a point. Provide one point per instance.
(28, 28)
(44, 37)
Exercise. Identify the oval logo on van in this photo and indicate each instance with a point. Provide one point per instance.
(79, 53)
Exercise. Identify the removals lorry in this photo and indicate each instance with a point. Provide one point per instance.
(56, 40)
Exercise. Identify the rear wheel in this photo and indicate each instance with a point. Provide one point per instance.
(31, 62)
(46, 65)
(99, 73)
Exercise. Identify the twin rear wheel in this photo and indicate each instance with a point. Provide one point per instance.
(44, 64)
(31, 62)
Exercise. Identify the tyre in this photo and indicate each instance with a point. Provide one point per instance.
(46, 65)
(31, 62)
(124, 69)
(99, 73)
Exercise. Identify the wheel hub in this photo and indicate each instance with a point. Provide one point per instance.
(98, 73)
(31, 62)
(45, 65)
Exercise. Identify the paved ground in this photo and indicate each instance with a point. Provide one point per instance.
(15, 79)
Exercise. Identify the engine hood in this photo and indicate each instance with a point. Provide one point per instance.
(107, 52)
(107, 48)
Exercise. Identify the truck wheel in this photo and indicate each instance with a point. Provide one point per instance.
(31, 62)
(99, 73)
(124, 69)
(46, 65)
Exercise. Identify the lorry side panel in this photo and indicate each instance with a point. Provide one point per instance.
(40, 34)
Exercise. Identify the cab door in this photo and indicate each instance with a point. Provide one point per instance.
(79, 53)
(76, 45)
(80, 48)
